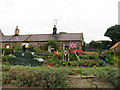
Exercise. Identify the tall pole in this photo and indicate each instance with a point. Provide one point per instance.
(119, 12)
(55, 22)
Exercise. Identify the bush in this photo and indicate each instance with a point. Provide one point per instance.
(73, 63)
(107, 73)
(6, 58)
(84, 57)
(93, 57)
(6, 78)
(99, 62)
(113, 77)
(17, 46)
(6, 67)
(7, 51)
(110, 58)
(46, 77)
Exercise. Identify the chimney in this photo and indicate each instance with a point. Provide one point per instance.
(54, 30)
(17, 31)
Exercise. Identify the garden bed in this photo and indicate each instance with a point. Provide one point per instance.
(56, 77)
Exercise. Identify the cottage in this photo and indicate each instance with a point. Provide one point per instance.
(41, 39)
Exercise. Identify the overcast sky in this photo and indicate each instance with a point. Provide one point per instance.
(92, 17)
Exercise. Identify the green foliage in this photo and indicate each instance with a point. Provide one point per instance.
(17, 46)
(111, 53)
(110, 57)
(6, 78)
(46, 77)
(118, 61)
(99, 62)
(62, 32)
(7, 51)
(73, 63)
(84, 57)
(73, 57)
(96, 46)
(36, 49)
(6, 58)
(113, 77)
(113, 33)
(6, 67)
(107, 73)
(89, 57)
(54, 44)
(93, 57)
(51, 77)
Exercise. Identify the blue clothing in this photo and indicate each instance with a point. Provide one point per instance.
(103, 57)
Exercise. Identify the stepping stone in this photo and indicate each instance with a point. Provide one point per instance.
(87, 77)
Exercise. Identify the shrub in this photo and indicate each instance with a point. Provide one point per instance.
(99, 62)
(84, 57)
(7, 51)
(113, 77)
(6, 78)
(110, 58)
(46, 77)
(6, 67)
(73, 63)
(93, 57)
(54, 44)
(6, 58)
(17, 46)
(107, 73)
(36, 49)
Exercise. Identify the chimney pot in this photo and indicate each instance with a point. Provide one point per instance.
(17, 31)
(54, 30)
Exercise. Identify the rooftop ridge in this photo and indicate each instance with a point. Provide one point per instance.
(41, 34)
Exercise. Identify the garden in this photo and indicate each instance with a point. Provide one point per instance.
(54, 71)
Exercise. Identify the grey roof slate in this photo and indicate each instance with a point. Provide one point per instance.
(12, 38)
(20, 38)
(44, 37)
(59, 37)
(6, 38)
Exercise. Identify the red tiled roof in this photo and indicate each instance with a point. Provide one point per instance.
(114, 46)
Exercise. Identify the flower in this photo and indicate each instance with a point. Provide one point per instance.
(51, 64)
(56, 53)
(82, 65)
(94, 66)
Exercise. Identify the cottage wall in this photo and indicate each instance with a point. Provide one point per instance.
(43, 45)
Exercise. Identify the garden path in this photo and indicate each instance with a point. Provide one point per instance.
(78, 81)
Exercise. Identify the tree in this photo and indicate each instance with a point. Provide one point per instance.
(53, 44)
(99, 45)
(113, 33)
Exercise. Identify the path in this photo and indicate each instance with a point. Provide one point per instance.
(78, 81)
